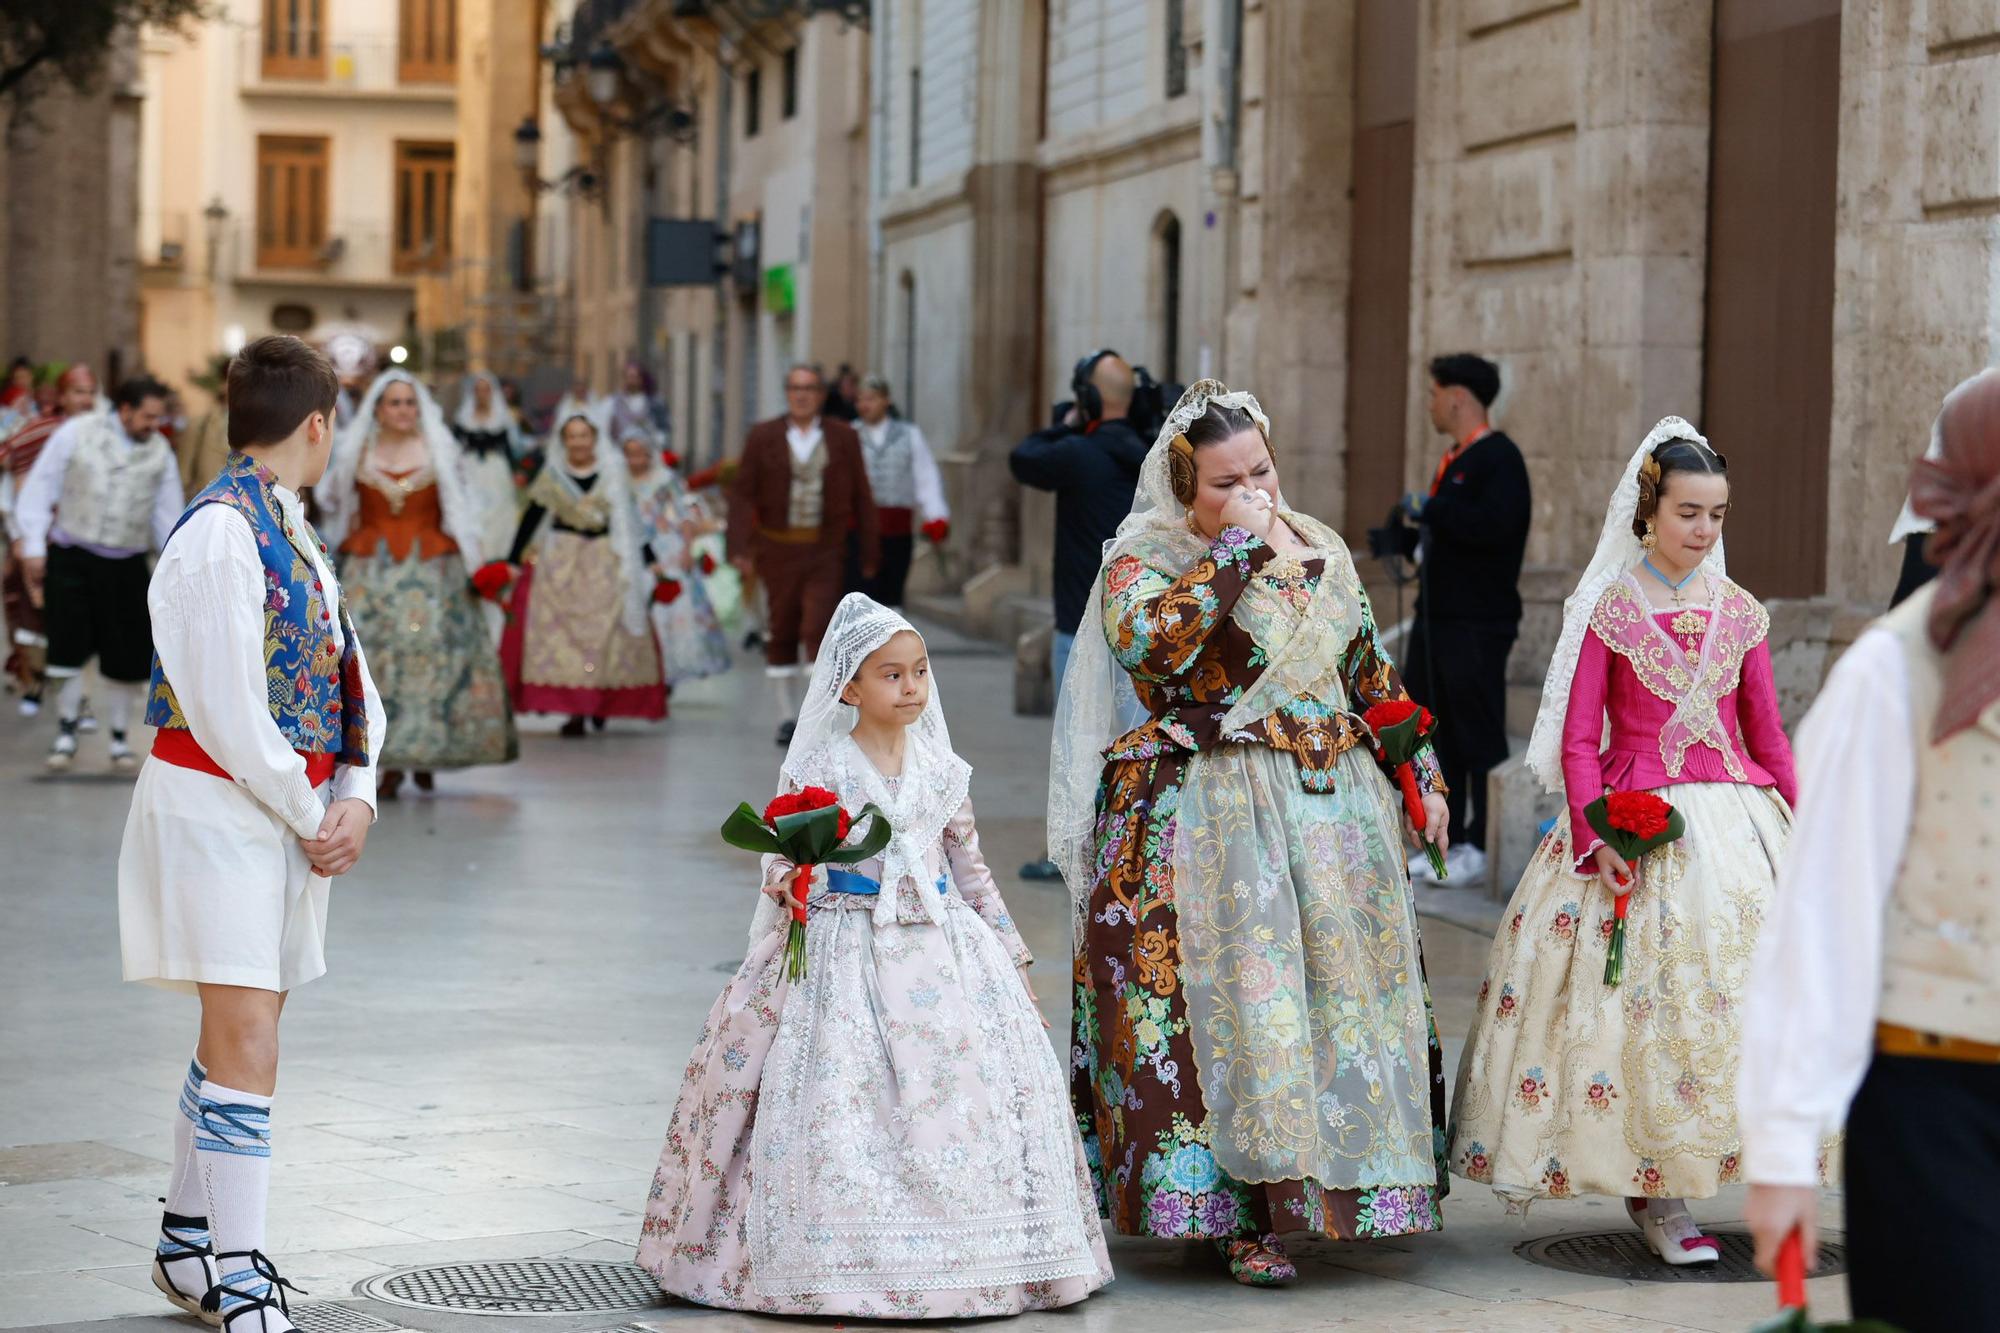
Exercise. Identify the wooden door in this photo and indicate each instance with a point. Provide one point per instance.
(291, 200)
(427, 42)
(424, 181)
(1378, 315)
(1768, 371)
(294, 42)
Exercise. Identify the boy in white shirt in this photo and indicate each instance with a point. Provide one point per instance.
(258, 791)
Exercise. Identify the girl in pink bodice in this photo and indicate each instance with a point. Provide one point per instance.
(1568, 1086)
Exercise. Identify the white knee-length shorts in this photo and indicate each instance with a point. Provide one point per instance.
(213, 887)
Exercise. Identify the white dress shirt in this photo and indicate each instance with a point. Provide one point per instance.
(803, 442)
(35, 505)
(1809, 1010)
(207, 604)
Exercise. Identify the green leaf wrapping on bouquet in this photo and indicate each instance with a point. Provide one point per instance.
(1625, 843)
(871, 844)
(1401, 742)
(745, 828)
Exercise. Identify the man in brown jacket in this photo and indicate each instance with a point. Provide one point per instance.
(800, 488)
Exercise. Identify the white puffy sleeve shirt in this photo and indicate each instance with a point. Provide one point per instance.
(1809, 1010)
(206, 599)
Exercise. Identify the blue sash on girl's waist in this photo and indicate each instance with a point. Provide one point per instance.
(846, 881)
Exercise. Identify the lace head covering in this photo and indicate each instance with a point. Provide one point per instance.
(934, 782)
(1618, 550)
(497, 416)
(338, 500)
(1095, 691)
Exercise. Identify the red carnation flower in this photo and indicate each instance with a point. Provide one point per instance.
(667, 591)
(491, 579)
(670, 458)
(707, 563)
(1637, 812)
(936, 530)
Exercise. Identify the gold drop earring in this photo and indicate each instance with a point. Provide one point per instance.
(1652, 537)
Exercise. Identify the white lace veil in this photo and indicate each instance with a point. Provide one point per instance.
(339, 502)
(1618, 550)
(1095, 691)
(614, 483)
(498, 416)
(934, 783)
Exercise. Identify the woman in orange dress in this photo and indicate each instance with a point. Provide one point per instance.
(407, 529)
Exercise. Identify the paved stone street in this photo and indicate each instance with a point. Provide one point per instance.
(517, 973)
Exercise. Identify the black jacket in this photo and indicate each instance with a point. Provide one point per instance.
(1093, 474)
(1475, 531)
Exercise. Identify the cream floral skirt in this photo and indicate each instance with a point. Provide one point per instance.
(1568, 1086)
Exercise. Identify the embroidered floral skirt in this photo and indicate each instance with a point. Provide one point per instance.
(1134, 1079)
(1568, 1086)
(885, 1138)
(432, 659)
(567, 649)
(692, 645)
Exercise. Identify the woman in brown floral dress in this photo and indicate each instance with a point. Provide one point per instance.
(1253, 1050)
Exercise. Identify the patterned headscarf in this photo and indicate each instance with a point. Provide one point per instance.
(1960, 492)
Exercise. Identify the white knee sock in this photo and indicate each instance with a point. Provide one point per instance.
(69, 699)
(120, 709)
(184, 1245)
(782, 681)
(232, 1153)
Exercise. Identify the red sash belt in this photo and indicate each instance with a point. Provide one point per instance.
(895, 521)
(180, 748)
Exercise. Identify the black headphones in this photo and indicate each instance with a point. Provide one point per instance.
(1089, 402)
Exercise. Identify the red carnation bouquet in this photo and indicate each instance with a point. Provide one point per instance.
(1631, 823)
(707, 563)
(936, 531)
(808, 829)
(670, 458)
(667, 591)
(490, 583)
(1402, 732)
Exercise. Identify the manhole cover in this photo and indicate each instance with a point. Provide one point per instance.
(321, 1317)
(1624, 1255)
(519, 1287)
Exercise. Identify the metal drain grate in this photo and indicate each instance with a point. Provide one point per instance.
(519, 1287)
(1624, 1255)
(322, 1317)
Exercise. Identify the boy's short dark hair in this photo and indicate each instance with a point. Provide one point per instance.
(132, 392)
(1475, 374)
(275, 383)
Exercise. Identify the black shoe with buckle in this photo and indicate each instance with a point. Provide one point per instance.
(250, 1311)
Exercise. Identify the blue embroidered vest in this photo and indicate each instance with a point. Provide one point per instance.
(313, 689)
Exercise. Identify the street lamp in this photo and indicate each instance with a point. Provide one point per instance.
(527, 145)
(213, 217)
(601, 69)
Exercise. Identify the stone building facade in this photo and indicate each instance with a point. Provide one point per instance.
(69, 288)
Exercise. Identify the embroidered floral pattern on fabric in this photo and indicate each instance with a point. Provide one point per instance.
(1624, 620)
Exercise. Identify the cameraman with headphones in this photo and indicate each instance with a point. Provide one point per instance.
(1090, 458)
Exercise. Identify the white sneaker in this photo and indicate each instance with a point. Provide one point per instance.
(63, 753)
(122, 758)
(29, 707)
(86, 721)
(1465, 863)
(1671, 1233)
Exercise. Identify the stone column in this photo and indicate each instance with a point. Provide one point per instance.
(1917, 258)
(1561, 227)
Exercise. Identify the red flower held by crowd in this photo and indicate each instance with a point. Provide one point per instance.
(667, 591)
(1639, 813)
(707, 563)
(491, 579)
(936, 530)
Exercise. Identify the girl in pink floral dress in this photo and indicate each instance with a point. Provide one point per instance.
(1567, 1085)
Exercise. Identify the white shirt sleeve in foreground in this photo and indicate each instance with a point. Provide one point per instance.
(1809, 1009)
(929, 481)
(35, 502)
(168, 502)
(206, 600)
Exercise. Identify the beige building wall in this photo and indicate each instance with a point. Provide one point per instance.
(215, 101)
